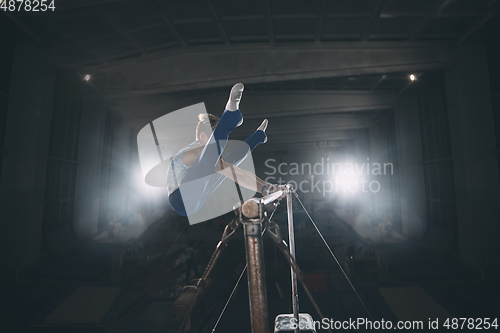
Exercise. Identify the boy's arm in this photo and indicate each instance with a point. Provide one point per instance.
(243, 177)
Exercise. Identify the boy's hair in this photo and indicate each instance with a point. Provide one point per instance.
(206, 124)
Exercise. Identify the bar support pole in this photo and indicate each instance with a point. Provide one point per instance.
(291, 241)
(259, 317)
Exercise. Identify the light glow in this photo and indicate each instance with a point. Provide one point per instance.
(413, 77)
(87, 77)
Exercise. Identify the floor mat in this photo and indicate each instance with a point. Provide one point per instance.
(157, 317)
(85, 306)
(484, 302)
(412, 303)
(55, 271)
(433, 272)
(16, 302)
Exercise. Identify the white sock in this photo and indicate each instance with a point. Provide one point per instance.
(233, 103)
(263, 128)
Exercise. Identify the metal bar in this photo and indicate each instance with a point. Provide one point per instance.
(320, 21)
(97, 55)
(217, 21)
(123, 32)
(291, 241)
(170, 26)
(493, 9)
(259, 317)
(435, 10)
(378, 82)
(374, 18)
(269, 22)
(27, 28)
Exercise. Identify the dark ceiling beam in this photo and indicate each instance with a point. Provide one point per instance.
(287, 16)
(374, 18)
(290, 125)
(435, 10)
(68, 5)
(192, 20)
(394, 36)
(249, 38)
(146, 27)
(491, 3)
(243, 17)
(204, 40)
(348, 15)
(494, 8)
(297, 104)
(99, 56)
(320, 21)
(285, 63)
(295, 37)
(293, 139)
(294, 16)
(26, 28)
(162, 46)
(159, 8)
(401, 14)
(123, 55)
(271, 147)
(378, 81)
(269, 22)
(344, 84)
(283, 108)
(85, 41)
(355, 36)
(215, 17)
(432, 36)
(461, 14)
(118, 28)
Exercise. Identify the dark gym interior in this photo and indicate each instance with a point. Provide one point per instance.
(411, 87)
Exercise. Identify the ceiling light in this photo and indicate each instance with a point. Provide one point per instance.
(87, 77)
(413, 77)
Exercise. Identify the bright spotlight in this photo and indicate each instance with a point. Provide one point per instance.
(413, 77)
(87, 77)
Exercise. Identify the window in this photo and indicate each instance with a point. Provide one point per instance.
(393, 158)
(493, 49)
(6, 53)
(63, 153)
(106, 167)
(437, 154)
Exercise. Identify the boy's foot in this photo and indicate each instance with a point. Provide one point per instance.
(233, 103)
(263, 128)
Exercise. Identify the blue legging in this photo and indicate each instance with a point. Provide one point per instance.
(200, 181)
